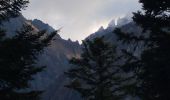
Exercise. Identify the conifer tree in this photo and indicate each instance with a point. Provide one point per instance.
(18, 61)
(96, 75)
(18, 55)
(152, 66)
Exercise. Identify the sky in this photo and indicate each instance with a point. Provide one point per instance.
(79, 18)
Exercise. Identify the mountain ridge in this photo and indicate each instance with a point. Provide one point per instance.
(57, 56)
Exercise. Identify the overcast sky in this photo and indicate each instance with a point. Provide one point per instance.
(78, 18)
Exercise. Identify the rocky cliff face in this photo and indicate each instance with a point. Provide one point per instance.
(52, 80)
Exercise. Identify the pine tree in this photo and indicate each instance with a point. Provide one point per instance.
(97, 75)
(152, 66)
(18, 55)
(18, 61)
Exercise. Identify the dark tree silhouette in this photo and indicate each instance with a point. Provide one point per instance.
(18, 63)
(97, 75)
(18, 55)
(152, 66)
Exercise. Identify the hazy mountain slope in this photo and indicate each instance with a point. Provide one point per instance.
(56, 58)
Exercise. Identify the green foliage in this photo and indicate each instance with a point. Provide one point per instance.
(97, 75)
(152, 66)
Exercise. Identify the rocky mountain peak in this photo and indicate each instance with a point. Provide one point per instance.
(112, 23)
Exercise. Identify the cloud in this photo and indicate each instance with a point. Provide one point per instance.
(78, 18)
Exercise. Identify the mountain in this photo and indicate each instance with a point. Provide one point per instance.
(53, 77)
(55, 57)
